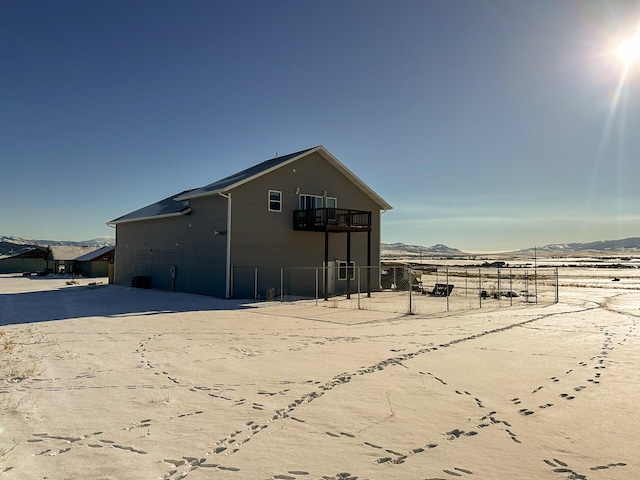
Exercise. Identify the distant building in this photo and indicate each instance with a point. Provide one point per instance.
(26, 259)
(95, 263)
(88, 261)
(305, 209)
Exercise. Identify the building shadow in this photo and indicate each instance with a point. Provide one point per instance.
(103, 301)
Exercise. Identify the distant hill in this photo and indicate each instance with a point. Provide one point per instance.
(10, 244)
(626, 245)
(599, 246)
(394, 250)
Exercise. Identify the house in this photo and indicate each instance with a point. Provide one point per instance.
(79, 260)
(85, 260)
(305, 209)
(95, 263)
(26, 259)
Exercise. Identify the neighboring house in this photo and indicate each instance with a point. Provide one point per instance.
(305, 209)
(89, 261)
(95, 263)
(27, 259)
(62, 258)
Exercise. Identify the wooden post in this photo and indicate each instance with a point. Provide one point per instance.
(326, 264)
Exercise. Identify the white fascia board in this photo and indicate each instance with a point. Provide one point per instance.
(352, 176)
(152, 217)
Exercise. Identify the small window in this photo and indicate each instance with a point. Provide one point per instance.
(275, 201)
(332, 202)
(344, 270)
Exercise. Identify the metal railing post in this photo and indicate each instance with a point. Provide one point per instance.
(410, 299)
(510, 289)
(359, 277)
(281, 285)
(255, 284)
(447, 277)
(480, 286)
(231, 282)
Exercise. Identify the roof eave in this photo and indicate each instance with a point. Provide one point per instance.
(354, 178)
(113, 223)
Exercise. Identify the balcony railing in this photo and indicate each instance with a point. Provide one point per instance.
(331, 219)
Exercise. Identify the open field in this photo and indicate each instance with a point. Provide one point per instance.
(108, 382)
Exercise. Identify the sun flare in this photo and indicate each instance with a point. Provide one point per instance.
(629, 51)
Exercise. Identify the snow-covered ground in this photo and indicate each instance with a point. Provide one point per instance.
(108, 382)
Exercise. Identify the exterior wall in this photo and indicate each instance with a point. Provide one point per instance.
(260, 239)
(265, 239)
(94, 268)
(19, 265)
(31, 261)
(188, 243)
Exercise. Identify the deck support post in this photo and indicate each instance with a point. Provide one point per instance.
(326, 264)
(348, 265)
(369, 263)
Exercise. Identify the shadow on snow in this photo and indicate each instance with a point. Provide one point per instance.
(103, 301)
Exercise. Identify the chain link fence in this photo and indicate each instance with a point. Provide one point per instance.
(399, 289)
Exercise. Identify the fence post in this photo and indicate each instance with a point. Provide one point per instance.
(359, 277)
(410, 305)
(510, 289)
(557, 287)
(316, 286)
(231, 282)
(255, 284)
(281, 285)
(447, 288)
(480, 286)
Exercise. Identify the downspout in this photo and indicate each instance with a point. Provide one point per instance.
(228, 266)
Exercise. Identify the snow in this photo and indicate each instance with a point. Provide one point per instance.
(108, 382)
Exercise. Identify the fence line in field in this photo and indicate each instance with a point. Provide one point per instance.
(399, 289)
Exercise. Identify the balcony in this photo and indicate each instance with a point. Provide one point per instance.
(332, 220)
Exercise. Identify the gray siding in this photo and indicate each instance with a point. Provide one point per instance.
(262, 242)
(151, 248)
(265, 239)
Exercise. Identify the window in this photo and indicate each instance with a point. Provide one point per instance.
(309, 202)
(275, 201)
(332, 202)
(343, 270)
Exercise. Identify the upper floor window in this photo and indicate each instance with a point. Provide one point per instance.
(309, 202)
(275, 201)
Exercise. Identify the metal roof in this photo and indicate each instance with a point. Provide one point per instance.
(68, 252)
(21, 251)
(95, 254)
(167, 207)
(239, 178)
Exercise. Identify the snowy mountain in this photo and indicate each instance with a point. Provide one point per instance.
(389, 250)
(600, 246)
(9, 244)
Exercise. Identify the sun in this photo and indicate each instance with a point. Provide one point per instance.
(629, 51)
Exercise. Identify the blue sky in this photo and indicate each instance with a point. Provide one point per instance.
(487, 125)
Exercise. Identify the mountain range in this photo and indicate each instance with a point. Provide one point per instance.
(8, 244)
(11, 244)
(628, 245)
